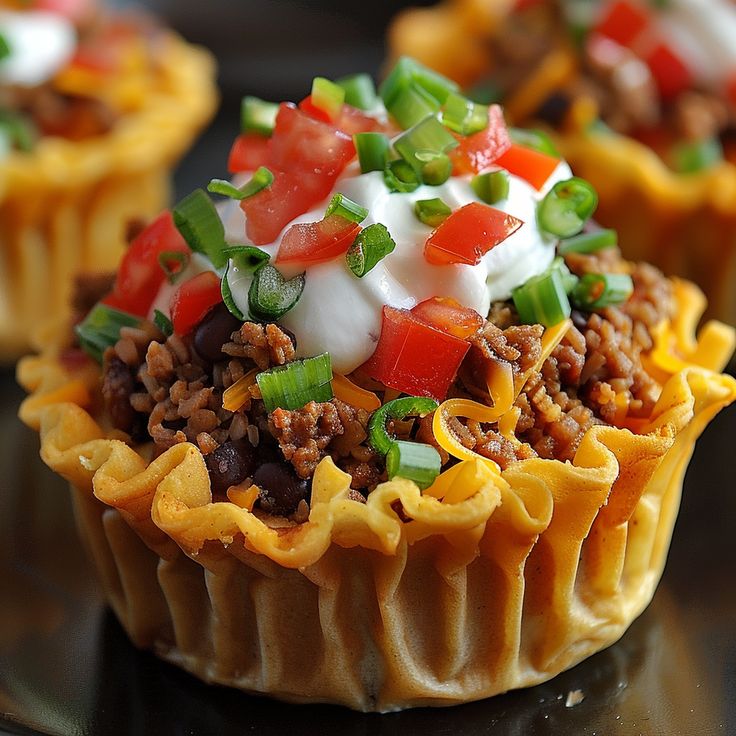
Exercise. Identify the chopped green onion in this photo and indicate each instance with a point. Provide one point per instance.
(328, 97)
(567, 207)
(588, 242)
(543, 299)
(413, 461)
(410, 73)
(398, 409)
(491, 187)
(600, 290)
(197, 220)
(163, 323)
(371, 245)
(4, 47)
(346, 208)
(293, 385)
(176, 257)
(100, 329)
(399, 176)
(270, 295)
(537, 140)
(224, 187)
(437, 169)
(463, 115)
(693, 156)
(19, 131)
(372, 151)
(360, 91)
(261, 179)
(423, 142)
(227, 296)
(432, 212)
(246, 257)
(411, 106)
(258, 116)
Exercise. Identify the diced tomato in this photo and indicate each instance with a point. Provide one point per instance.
(310, 242)
(468, 234)
(192, 300)
(450, 316)
(309, 108)
(350, 121)
(248, 153)
(479, 151)
(623, 21)
(533, 166)
(413, 357)
(140, 276)
(669, 71)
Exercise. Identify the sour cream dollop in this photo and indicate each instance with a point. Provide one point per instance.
(40, 45)
(342, 314)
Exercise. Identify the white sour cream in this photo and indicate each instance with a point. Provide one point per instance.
(40, 45)
(341, 314)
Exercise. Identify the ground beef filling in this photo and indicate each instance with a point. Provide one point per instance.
(170, 390)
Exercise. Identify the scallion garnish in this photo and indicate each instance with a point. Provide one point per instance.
(463, 115)
(360, 91)
(436, 169)
(173, 263)
(346, 208)
(412, 105)
(4, 47)
(372, 149)
(537, 140)
(689, 157)
(261, 179)
(399, 176)
(328, 97)
(588, 242)
(197, 220)
(100, 329)
(19, 131)
(413, 461)
(246, 257)
(293, 385)
(543, 299)
(398, 409)
(163, 323)
(566, 207)
(432, 212)
(424, 142)
(491, 187)
(408, 73)
(227, 296)
(600, 290)
(270, 295)
(258, 116)
(371, 245)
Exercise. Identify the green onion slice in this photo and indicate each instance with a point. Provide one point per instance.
(5, 49)
(360, 91)
(398, 409)
(424, 142)
(600, 290)
(399, 176)
(372, 149)
(197, 220)
(18, 130)
(413, 461)
(328, 97)
(408, 73)
(163, 322)
(491, 187)
(432, 212)
(261, 179)
(463, 115)
(537, 140)
(588, 242)
(543, 299)
(293, 385)
(436, 170)
(693, 156)
(411, 106)
(227, 296)
(346, 208)
(566, 207)
(173, 263)
(270, 295)
(371, 245)
(247, 257)
(258, 116)
(100, 329)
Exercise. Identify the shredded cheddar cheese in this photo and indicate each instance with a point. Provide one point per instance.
(235, 396)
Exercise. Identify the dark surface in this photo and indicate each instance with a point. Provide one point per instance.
(66, 667)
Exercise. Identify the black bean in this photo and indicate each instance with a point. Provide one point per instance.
(579, 319)
(231, 463)
(213, 332)
(281, 489)
(117, 386)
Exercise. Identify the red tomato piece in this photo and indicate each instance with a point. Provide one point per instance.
(449, 315)
(668, 70)
(479, 151)
(414, 357)
(623, 21)
(317, 241)
(140, 275)
(468, 234)
(309, 108)
(533, 166)
(248, 153)
(350, 121)
(192, 300)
